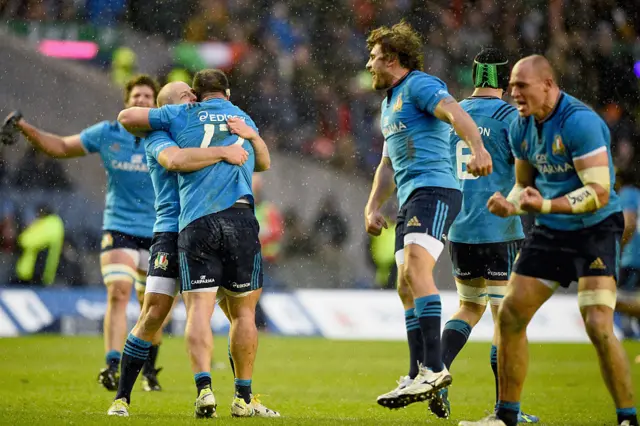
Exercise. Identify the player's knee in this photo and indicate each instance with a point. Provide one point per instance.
(118, 293)
(598, 322)
(473, 312)
(404, 292)
(153, 318)
(510, 319)
(412, 272)
(198, 339)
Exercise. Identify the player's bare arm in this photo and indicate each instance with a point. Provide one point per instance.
(594, 173)
(51, 144)
(135, 120)
(177, 159)
(238, 127)
(449, 111)
(510, 206)
(383, 187)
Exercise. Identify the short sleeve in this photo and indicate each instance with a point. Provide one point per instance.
(160, 118)
(157, 142)
(629, 200)
(585, 134)
(93, 137)
(427, 92)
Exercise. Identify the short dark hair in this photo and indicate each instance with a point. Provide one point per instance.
(402, 41)
(141, 80)
(210, 81)
(490, 69)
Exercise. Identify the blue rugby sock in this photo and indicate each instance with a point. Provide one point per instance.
(136, 352)
(414, 338)
(454, 337)
(429, 311)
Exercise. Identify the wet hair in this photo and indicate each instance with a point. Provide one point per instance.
(210, 81)
(141, 80)
(490, 69)
(401, 41)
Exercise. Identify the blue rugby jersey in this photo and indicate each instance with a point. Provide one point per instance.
(416, 141)
(129, 200)
(571, 131)
(213, 188)
(475, 224)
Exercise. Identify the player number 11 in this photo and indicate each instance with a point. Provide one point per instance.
(210, 129)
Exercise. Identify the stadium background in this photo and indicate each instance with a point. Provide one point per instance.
(297, 67)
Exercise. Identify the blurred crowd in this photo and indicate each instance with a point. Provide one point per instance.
(300, 70)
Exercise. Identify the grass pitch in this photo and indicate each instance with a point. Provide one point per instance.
(51, 380)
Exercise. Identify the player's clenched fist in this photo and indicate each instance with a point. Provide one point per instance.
(235, 154)
(499, 206)
(374, 222)
(480, 164)
(531, 200)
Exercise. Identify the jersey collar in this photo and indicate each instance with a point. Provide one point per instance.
(399, 82)
(553, 111)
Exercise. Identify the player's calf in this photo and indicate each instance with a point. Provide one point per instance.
(596, 306)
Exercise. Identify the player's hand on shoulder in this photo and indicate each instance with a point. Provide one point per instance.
(374, 222)
(531, 200)
(481, 163)
(235, 154)
(237, 126)
(499, 206)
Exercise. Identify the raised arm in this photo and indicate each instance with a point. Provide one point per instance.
(449, 111)
(135, 120)
(53, 145)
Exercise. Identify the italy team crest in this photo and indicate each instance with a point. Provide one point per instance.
(558, 147)
(162, 261)
(398, 105)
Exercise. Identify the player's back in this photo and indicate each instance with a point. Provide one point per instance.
(475, 224)
(571, 131)
(217, 187)
(417, 141)
(630, 201)
(165, 183)
(130, 197)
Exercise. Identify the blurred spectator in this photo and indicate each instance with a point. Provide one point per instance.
(381, 253)
(41, 247)
(271, 224)
(330, 225)
(37, 170)
(330, 232)
(297, 240)
(70, 269)
(7, 224)
(297, 69)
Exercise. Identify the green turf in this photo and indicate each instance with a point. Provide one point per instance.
(46, 380)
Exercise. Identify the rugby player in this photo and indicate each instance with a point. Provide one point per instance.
(129, 216)
(564, 173)
(482, 246)
(415, 118)
(218, 241)
(165, 158)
